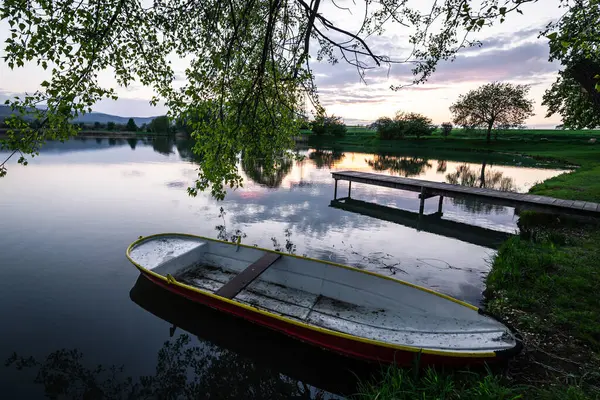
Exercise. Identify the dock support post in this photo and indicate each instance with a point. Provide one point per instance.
(422, 205)
(349, 188)
(440, 204)
(335, 190)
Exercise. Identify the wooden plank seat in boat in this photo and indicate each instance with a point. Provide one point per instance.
(244, 278)
(287, 301)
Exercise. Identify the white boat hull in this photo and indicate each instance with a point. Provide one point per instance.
(394, 319)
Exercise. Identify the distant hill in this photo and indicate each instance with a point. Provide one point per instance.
(104, 118)
(5, 111)
(90, 118)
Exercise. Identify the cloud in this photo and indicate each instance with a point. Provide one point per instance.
(506, 39)
(417, 88)
(517, 58)
(527, 60)
(511, 56)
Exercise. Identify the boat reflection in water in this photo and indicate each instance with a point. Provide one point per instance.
(245, 356)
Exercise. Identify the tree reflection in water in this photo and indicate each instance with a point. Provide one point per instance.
(163, 144)
(490, 179)
(132, 143)
(185, 148)
(442, 165)
(182, 371)
(326, 158)
(264, 173)
(405, 166)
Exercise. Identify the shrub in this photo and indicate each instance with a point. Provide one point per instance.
(386, 128)
(414, 124)
(323, 125)
(160, 124)
(131, 126)
(446, 128)
(337, 129)
(402, 125)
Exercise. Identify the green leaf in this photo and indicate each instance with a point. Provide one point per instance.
(552, 36)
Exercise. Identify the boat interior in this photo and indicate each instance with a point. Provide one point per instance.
(324, 295)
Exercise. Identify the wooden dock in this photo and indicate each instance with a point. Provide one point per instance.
(429, 189)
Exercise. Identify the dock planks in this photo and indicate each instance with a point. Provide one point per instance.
(510, 199)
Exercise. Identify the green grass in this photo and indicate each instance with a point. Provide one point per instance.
(584, 185)
(553, 287)
(510, 134)
(409, 384)
(546, 285)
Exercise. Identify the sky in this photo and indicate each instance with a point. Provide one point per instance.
(511, 52)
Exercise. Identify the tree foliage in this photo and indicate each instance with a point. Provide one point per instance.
(575, 94)
(493, 105)
(403, 124)
(446, 128)
(414, 124)
(248, 60)
(328, 125)
(160, 124)
(131, 126)
(386, 128)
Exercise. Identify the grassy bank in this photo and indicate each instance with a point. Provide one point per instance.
(509, 134)
(544, 282)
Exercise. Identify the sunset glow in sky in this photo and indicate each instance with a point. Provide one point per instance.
(511, 52)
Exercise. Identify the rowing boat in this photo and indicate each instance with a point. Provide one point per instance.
(340, 308)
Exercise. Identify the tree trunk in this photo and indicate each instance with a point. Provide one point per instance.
(489, 132)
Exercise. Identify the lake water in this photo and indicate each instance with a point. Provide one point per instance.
(67, 218)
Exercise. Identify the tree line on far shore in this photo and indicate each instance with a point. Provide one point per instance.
(160, 125)
(494, 106)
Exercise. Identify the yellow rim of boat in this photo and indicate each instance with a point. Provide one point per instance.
(172, 281)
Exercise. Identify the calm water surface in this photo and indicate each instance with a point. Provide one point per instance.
(67, 218)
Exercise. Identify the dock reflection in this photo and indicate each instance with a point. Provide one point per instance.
(432, 223)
